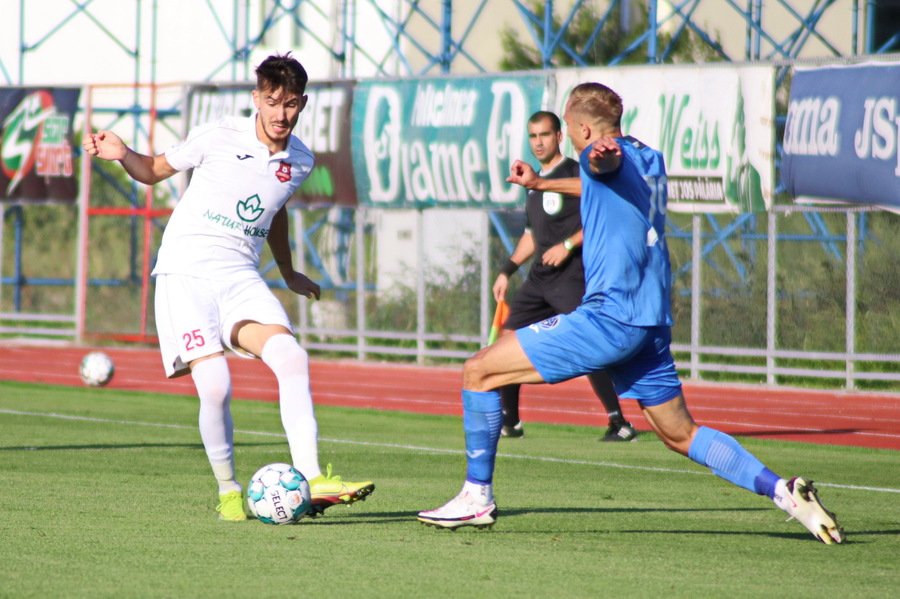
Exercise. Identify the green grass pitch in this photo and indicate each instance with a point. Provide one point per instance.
(107, 493)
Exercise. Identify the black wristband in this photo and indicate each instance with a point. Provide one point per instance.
(509, 268)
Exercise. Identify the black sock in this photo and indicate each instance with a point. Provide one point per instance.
(509, 398)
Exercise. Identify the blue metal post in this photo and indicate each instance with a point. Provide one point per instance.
(546, 47)
(652, 34)
(446, 39)
(870, 26)
(18, 277)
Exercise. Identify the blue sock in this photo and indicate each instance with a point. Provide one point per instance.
(482, 421)
(729, 460)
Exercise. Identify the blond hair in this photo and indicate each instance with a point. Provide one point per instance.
(598, 103)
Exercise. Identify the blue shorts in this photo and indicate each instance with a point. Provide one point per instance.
(637, 359)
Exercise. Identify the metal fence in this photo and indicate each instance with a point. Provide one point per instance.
(800, 295)
(797, 295)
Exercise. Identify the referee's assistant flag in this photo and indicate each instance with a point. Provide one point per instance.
(500, 315)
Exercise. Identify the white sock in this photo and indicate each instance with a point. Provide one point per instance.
(781, 497)
(290, 364)
(482, 494)
(213, 382)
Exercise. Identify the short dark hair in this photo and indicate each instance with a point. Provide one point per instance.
(281, 72)
(540, 115)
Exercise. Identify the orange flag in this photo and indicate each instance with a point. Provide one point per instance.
(500, 315)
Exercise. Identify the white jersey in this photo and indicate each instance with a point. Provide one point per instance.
(219, 227)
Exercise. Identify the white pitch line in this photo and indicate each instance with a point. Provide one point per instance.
(428, 449)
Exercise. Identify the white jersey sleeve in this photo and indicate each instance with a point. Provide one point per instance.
(189, 152)
(237, 187)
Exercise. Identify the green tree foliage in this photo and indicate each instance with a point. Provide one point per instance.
(610, 42)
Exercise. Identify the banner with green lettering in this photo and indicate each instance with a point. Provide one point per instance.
(714, 125)
(446, 142)
(36, 144)
(324, 126)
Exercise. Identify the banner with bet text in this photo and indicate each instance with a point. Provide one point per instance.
(442, 142)
(323, 125)
(714, 125)
(36, 144)
(842, 135)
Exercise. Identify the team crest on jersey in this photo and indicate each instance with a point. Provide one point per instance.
(552, 202)
(284, 172)
(545, 325)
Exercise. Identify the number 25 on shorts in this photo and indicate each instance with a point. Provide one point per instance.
(193, 340)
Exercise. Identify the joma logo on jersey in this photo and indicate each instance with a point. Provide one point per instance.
(284, 172)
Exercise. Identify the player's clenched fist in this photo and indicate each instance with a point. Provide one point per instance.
(105, 145)
(522, 174)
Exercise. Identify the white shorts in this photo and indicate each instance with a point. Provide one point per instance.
(195, 317)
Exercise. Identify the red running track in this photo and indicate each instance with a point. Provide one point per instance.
(829, 417)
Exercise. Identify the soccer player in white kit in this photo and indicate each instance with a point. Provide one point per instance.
(209, 293)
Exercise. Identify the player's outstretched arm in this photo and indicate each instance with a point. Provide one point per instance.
(521, 173)
(149, 170)
(280, 245)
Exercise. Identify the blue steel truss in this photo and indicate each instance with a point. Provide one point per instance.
(429, 37)
(436, 36)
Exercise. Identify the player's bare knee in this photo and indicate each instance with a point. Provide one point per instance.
(475, 373)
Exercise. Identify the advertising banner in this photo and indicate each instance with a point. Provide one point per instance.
(324, 126)
(842, 136)
(444, 142)
(714, 125)
(36, 144)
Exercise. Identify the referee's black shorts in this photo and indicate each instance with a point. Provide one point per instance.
(540, 298)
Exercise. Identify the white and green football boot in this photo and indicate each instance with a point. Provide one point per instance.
(800, 499)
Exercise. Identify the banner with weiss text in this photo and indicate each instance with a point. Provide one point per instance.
(714, 126)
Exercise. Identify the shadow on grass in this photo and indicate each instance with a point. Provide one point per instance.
(388, 517)
(851, 538)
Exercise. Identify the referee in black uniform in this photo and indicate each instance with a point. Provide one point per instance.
(555, 283)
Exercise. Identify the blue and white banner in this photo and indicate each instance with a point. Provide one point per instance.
(842, 135)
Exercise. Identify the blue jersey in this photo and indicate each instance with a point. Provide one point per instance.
(626, 260)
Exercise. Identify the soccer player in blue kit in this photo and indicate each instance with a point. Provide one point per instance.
(555, 282)
(623, 325)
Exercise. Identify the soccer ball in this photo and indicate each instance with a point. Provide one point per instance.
(96, 369)
(278, 494)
